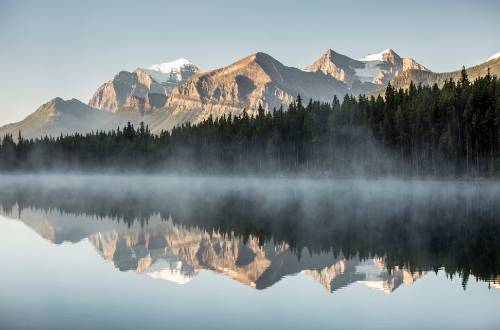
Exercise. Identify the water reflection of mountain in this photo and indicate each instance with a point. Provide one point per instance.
(259, 231)
(173, 253)
(165, 251)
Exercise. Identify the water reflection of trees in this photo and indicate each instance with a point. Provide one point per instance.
(421, 232)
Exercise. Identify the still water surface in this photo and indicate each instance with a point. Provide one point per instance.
(86, 252)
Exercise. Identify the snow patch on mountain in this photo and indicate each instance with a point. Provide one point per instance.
(494, 56)
(372, 72)
(168, 67)
(171, 272)
(375, 57)
(168, 71)
(369, 72)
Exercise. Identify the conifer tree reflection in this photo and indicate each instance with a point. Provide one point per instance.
(455, 228)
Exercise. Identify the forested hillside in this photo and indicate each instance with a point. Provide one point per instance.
(452, 131)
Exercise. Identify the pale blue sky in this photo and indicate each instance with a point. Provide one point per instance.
(68, 48)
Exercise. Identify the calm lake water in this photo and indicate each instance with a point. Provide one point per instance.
(141, 252)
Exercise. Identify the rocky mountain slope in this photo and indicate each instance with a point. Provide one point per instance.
(253, 80)
(430, 78)
(143, 90)
(130, 91)
(62, 117)
(365, 74)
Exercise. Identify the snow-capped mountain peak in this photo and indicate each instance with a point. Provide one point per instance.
(168, 67)
(376, 57)
(494, 56)
(374, 69)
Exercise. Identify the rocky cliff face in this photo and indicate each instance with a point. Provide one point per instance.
(256, 79)
(339, 66)
(144, 90)
(130, 91)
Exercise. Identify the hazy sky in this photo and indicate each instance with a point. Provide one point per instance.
(68, 48)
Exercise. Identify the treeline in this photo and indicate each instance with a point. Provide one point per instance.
(453, 130)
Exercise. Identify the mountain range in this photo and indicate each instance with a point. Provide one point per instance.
(168, 94)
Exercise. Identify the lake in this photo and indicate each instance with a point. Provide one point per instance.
(151, 252)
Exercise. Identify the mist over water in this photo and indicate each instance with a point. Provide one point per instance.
(387, 236)
(423, 225)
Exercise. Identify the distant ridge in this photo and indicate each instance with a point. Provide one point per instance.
(60, 116)
(430, 78)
